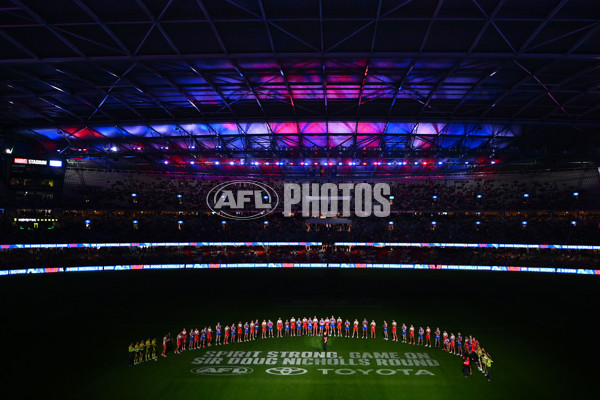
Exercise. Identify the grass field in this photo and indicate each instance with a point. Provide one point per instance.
(82, 323)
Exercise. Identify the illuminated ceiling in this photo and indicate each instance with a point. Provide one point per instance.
(245, 75)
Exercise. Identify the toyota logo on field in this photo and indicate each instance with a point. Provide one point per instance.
(286, 371)
(242, 200)
(222, 371)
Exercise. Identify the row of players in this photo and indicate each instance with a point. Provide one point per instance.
(142, 351)
(309, 327)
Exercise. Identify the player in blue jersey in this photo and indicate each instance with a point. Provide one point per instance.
(287, 328)
(420, 339)
(310, 327)
(321, 326)
(437, 338)
(347, 323)
(403, 333)
(385, 332)
(299, 327)
(246, 331)
(459, 340)
(203, 337)
(233, 333)
(365, 325)
(270, 325)
(218, 334)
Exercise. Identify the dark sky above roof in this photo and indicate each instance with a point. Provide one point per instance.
(80, 63)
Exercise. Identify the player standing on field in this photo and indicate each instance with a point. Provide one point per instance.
(385, 333)
(355, 329)
(226, 335)
(373, 325)
(365, 325)
(394, 331)
(437, 338)
(403, 332)
(428, 337)
(420, 340)
(279, 327)
(218, 333)
(293, 326)
(165, 341)
(411, 338)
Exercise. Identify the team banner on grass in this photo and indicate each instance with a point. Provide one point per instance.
(548, 270)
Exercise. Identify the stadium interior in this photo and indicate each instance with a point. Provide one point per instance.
(118, 119)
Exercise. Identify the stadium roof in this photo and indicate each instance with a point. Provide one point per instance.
(71, 66)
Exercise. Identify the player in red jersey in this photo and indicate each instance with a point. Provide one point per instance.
(293, 326)
(355, 329)
(165, 342)
(428, 337)
(239, 331)
(304, 326)
(411, 337)
(184, 339)
(279, 327)
(264, 329)
(394, 331)
(209, 336)
(251, 330)
(373, 325)
(339, 326)
(226, 341)
(178, 348)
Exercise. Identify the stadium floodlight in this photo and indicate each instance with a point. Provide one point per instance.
(266, 222)
(114, 148)
(389, 163)
(466, 163)
(524, 223)
(231, 163)
(416, 163)
(87, 221)
(135, 221)
(391, 223)
(574, 223)
(223, 222)
(493, 162)
(133, 194)
(179, 196)
(479, 196)
(440, 163)
(392, 197)
(433, 223)
(217, 163)
(166, 161)
(526, 195)
(55, 163)
(477, 222)
(575, 194)
(434, 197)
(180, 222)
(340, 164)
(192, 163)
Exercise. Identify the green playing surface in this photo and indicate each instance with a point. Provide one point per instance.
(87, 321)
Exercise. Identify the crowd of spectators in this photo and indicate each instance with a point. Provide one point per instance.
(535, 227)
(557, 190)
(23, 258)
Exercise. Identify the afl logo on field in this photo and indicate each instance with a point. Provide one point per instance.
(222, 371)
(242, 200)
(286, 371)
